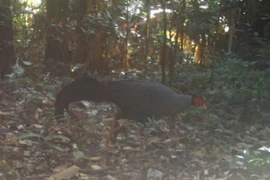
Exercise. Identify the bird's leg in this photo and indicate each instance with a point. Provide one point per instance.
(113, 131)
(141, 138)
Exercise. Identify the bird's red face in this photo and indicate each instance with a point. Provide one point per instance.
(197, 101)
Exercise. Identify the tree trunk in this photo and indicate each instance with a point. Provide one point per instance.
(162, 64)
(7, 56)
(182, 30)
(147, 35)
(126, 62)
(231, 32)
(56, 14)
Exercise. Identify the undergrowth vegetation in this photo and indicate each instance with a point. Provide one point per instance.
(240, 95)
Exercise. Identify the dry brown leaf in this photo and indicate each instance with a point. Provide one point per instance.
(6, 113)
(242, 145)
(95, 167)
(96, 158)
(166, 141)
(65, 174)
(129, 148)
(60, 168)
(109, 177)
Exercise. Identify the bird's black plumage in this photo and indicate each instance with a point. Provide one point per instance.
(136, 99)
(81, 89)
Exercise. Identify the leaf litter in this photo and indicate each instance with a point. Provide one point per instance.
(189, 146)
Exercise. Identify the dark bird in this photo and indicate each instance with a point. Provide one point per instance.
(81, 89)
(136, 99)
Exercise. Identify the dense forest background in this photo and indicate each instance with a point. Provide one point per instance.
(215, 48)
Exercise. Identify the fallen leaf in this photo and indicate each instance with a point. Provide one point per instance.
(65, 174)
(96, 167)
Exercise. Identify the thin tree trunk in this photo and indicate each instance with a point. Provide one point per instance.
(182, 31)
(82, 10)
(7, 55)
(171, 56)
(164, 41)
(231, 33)
(126, 43)
(56, 16)
(147, 35)
(216, 38)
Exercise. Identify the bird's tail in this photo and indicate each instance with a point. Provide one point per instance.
(80, 89)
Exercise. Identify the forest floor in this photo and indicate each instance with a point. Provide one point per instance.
(190, 146)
